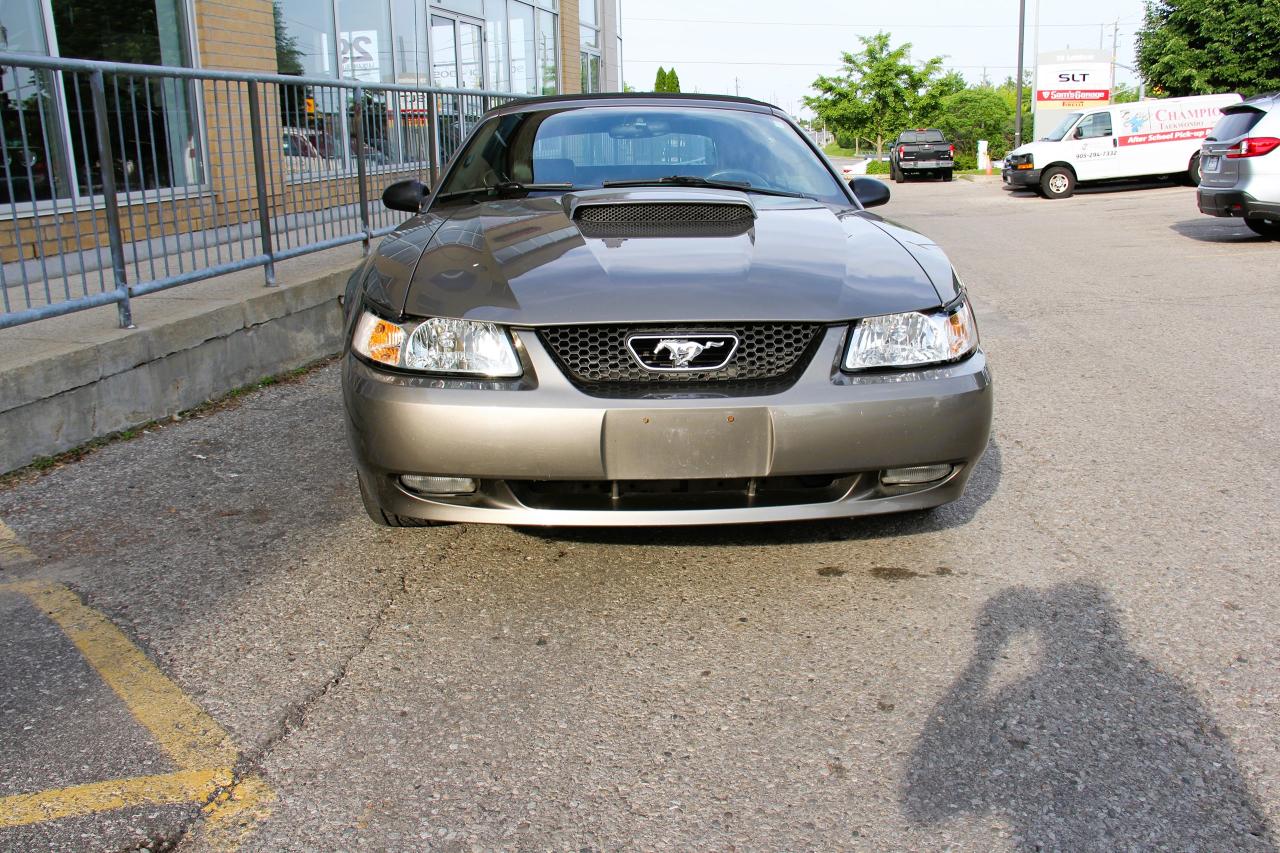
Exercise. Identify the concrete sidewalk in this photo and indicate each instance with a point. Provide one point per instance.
(67, 380)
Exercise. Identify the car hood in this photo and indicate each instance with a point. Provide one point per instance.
(531, 262)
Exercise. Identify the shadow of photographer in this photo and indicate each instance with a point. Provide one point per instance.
(1080, 743)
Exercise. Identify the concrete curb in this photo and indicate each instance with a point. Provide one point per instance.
(55, 403)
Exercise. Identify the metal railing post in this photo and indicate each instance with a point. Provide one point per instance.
(107, 166)
(260, 180)
(362, 169)
(433, 138)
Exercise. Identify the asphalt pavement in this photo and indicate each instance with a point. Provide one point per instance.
(1082, 654)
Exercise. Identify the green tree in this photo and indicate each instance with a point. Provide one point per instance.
(1197, 47)
(930, 107)
(879, 92)
(977, 113)
(1008, 90)
(660, 82)
(673, 80)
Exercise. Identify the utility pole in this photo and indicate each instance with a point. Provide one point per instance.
(736, 87)
(1017, 112)
(1115, 48)
(1035, 70)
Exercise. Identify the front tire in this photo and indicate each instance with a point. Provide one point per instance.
(1265, 227)
(1192, 176)
(381, 517)
(1057, 182)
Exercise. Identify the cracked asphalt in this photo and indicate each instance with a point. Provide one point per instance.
(1082, 654)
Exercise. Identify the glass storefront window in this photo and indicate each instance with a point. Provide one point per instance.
(475, 8)
(588, 13)
(495, 37)
(409, 53)
(364, 41)
(547, 69)
(589, 38)
(470, 56)
(524, 71)
(304, 37)
(444, 53)
(49, 139)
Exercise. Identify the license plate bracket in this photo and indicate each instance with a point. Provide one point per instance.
(680, 444)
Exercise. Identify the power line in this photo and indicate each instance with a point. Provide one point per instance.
(827, 26)
(794, 64)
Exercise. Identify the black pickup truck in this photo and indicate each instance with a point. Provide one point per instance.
(921, 152)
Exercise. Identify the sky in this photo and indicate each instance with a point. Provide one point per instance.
(773, 50)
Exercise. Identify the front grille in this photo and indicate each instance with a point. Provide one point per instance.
(651, 495)
(663, 213)
(596, 359)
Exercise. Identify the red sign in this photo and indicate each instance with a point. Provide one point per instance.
(1165, 136)
(1073, 95)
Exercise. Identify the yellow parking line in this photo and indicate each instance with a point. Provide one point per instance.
(12, 551)
(189, 736)
(185, 786)
(234, 814)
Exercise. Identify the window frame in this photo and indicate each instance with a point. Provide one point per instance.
(62, 115)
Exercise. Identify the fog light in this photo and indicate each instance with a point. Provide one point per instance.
(438, 485)
(914, 476)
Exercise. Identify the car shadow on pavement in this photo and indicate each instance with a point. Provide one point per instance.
(1212, 229)
(1079, 743)
(982, 486)
(1104, 188)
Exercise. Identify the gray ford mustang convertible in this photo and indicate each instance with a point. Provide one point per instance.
(655, 310)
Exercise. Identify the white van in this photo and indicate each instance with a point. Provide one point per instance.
(1118, 141)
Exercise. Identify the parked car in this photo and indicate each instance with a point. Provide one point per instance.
(1144, 138)
(921, 152)
(572, 331)
(1240, 165)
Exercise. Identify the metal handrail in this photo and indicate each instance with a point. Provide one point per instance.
(207, 171)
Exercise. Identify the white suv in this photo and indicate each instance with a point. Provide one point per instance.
(1240, 165)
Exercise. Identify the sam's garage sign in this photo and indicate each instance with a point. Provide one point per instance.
(1073, 80)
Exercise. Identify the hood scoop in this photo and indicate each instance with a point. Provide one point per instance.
(698, 218)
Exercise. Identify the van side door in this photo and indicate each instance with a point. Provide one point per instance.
(1096, 148)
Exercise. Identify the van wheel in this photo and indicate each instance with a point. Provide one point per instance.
(1057, 182)
(1265, 227)
(1192, 177)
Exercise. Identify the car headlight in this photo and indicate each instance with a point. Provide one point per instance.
(912, 339)
(438, 345)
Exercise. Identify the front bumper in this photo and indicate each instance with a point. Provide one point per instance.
(1021, 177)
(1233, 202)
(513, 439)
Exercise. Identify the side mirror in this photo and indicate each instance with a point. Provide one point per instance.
(1079, 133)
(406, 195)
(871, 192)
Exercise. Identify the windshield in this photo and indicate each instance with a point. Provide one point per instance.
(586, 147)
(909, 136)
(1062, 128)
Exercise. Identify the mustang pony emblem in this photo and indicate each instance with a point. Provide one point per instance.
(682, 352)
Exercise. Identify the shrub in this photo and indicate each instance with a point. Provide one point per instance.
(877, 167)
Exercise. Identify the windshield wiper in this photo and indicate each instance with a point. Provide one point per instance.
(504, 187)
(695, 181)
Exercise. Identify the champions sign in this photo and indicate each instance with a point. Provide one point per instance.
(1150, 122)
